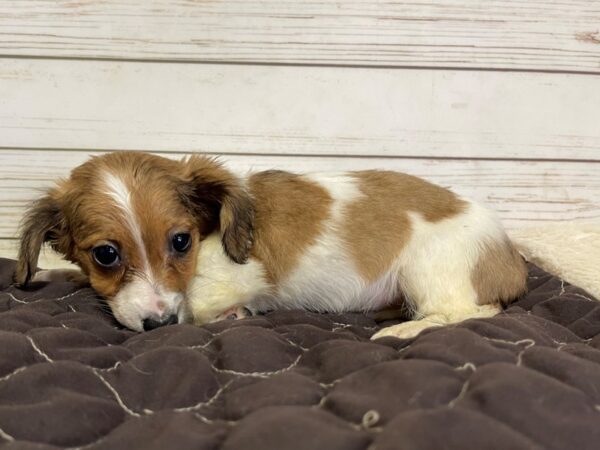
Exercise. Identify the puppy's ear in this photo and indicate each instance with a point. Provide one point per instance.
(43, 222)
(218, 198)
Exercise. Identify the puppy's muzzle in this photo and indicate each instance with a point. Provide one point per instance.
(151, 324)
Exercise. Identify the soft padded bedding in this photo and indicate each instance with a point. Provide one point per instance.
(69, 376)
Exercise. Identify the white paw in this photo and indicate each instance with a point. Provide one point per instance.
(235, 313)
(405, 330)
(484, 311)
(412, 328)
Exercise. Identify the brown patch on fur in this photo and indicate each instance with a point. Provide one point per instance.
(500, 274)
(377, 225)
(290, 211)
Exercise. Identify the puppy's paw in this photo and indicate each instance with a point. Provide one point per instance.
(405, 330)
(412, 328)
(236, 313)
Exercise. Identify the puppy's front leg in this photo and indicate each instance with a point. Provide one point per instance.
(222, 287)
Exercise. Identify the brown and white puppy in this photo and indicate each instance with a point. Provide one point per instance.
(170, 241)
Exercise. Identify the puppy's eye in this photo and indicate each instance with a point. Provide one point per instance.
(181, 242)
(106, 255)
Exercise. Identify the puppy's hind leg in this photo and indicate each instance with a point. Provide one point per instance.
(438, 291)
(437, 268)
(437, 304)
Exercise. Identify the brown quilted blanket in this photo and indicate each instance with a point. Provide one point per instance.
(70, 377)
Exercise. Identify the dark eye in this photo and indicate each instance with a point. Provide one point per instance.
(181, 242)
(106, 255)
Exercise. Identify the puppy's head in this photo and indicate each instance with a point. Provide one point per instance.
(134, 223)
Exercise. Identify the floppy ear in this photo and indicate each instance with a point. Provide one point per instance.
(215, 195)
(43, 222)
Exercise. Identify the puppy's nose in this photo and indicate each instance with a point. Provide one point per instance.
(151, 324)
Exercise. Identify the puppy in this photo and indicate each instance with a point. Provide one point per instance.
(168, 241)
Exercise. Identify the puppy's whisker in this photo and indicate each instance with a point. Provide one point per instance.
(207, 277)
(140, 274)
(201, 287)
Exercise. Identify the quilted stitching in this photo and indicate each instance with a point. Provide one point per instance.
(71, 377)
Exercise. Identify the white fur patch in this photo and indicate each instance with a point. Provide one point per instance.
(120, 193)
(341, 187)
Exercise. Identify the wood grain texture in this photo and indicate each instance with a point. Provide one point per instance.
(298, 110)
(543, 35)
(522, 192)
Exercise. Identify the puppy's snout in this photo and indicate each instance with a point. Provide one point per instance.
(151, 324)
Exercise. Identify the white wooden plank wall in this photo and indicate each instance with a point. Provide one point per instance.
(499, 100)
(544, 35)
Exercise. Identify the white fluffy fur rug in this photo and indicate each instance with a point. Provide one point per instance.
(569, 250)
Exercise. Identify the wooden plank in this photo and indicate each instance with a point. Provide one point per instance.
(298, 110)
(504, 34)
(523, 192)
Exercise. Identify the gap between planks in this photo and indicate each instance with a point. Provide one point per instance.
(167, 153)
(331, 65)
